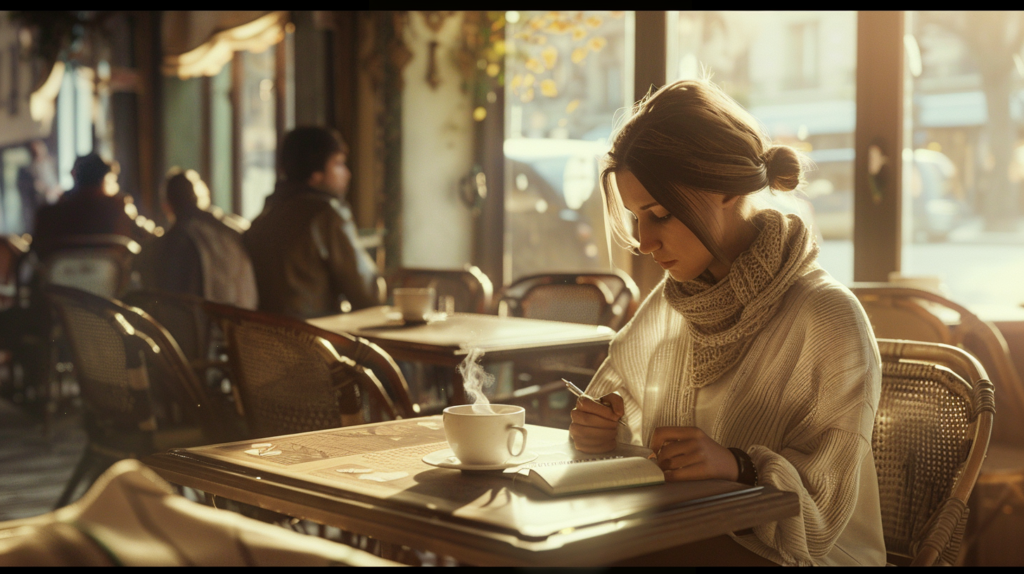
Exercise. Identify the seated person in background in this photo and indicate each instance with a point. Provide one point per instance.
(304, 246)
(93, 205)
(199, 255)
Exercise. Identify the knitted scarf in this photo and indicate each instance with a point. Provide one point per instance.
(722, 318)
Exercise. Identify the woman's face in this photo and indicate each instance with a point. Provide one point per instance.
(664, 237)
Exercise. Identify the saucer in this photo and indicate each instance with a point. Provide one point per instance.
(394, 316)
(447, 459)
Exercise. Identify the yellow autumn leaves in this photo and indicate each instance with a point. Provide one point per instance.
(535, 32)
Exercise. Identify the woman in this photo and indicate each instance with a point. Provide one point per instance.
(748, 361)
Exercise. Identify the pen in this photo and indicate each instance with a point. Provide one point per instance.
(579, 393)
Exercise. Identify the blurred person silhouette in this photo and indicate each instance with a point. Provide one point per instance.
(199, 255)
(37, 183)
(304, 246)
(93, 205)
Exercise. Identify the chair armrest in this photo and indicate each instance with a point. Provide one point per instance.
(944, 534)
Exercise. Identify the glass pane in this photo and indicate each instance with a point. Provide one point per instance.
(220, 139)
(259, 131)
(962, 193)
(565, 78)
(795, 72)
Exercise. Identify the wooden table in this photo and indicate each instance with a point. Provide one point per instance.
(447, 342)
(485, 518)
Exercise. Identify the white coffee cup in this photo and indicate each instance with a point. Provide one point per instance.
(485, 435)
(415, 303)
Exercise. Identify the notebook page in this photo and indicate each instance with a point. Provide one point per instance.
(588, 476)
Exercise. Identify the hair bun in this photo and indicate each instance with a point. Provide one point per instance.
(782, 168)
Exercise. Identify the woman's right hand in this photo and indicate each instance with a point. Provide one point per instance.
(595, 425)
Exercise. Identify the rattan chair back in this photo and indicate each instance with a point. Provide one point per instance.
(115, 350)
(182, 315)
(96, 263)
(608, 299)
(918, 315)
(293, 377)
(469, 289)
(130, 410)
(931, 433)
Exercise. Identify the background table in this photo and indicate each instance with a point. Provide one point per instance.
(478, 518)
(447, 342)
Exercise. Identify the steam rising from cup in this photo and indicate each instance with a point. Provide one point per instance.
(474, 379)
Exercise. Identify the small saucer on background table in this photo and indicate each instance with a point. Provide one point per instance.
(394, 317)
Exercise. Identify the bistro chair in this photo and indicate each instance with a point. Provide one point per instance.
(97, 263)
(293, 377)
(468, 289)
(116, 349)
(931, 434)
(185, 318)
(608, 299)
(915, 314)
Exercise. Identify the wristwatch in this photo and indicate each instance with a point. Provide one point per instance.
(747, 470)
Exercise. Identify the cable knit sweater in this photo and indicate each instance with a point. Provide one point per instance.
(801, 401)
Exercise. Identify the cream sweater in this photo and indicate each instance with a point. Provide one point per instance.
(801, 402)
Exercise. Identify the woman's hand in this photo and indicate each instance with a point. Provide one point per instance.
(595, 425)
(686, 453)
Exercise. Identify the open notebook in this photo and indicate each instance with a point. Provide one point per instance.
(591, 475)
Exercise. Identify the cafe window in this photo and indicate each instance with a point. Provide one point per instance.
(259, 131)
(795, 73)
(963, 210)
(566, 77)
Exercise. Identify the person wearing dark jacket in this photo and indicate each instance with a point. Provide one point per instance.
(92, 206)
(304, 245)
(199, 255)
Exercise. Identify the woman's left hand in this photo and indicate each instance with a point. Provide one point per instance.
(686, 453)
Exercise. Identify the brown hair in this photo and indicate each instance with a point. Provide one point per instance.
(690, 137)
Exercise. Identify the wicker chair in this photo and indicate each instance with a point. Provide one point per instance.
(292, 377)
(608, 299)
(931, 434)
(184, 317)
(469, 289)
(97, 263)
(914, 314)
(115, 349)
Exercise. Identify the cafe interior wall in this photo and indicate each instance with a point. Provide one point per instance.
(437, 148)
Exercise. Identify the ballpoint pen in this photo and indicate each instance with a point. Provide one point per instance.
(579, 393)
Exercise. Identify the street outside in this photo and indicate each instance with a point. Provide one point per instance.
(974, 273)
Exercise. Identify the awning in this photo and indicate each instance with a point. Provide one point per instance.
(200, 42)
